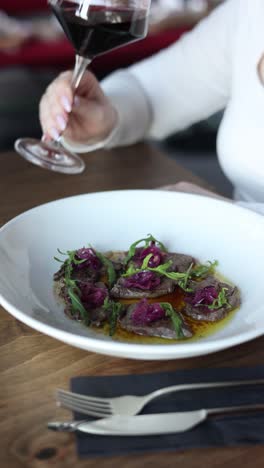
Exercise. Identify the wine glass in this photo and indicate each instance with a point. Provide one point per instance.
(93, 27)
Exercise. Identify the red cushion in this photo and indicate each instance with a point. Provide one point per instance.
(23, 6)
(40, 54)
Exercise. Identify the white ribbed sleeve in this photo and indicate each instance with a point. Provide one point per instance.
(181, 85)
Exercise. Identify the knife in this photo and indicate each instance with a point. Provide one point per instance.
(147, 424)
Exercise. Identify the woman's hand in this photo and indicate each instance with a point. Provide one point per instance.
(83, 117)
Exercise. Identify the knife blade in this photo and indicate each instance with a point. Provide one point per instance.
(147, 424)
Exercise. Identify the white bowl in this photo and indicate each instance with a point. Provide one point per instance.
(206, 228)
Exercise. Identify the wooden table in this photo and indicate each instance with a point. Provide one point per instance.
(33, 365)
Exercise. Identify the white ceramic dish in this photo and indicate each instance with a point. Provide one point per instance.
(203, 227)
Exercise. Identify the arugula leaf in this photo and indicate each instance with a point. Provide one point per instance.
(220, 301)
(114, 308)
(181, 278)
(77, 304)
(71, 256)
(71, 284)
(146, 260)
(73, 259)
(162, 270)
(175, 318)
(58, 260)
(147, 240)
(184, 281)
(132, 269)
(109, 266)
(62, 253)
(200, 271)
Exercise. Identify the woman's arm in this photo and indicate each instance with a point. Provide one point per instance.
(179, 86)
(166, 93)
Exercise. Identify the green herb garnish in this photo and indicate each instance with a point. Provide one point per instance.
(77, 304)
(161, 270)
(184, 281)
(114, 309)
(109, 266)
(72, 256)
(201, 271)
(175, 318)
(58, 260)
(220, 301)
(147, 240)
(71, 284)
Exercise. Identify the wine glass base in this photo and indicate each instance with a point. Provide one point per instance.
(52, 156)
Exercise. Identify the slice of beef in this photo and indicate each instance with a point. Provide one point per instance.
(86, 274)
(119, 290)
(93, 296)
(202, 312)
(83, 274)
(117, 258)
(59, 274)
(180, 262)
(95, 315)
(162, 328)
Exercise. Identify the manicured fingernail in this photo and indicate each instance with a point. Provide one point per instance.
(66, 104)
(46, 138)
(54, 133)
(76, 101)
(61, 122)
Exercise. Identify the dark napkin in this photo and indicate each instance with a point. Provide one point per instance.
(220, 430)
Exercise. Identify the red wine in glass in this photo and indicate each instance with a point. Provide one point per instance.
(103, 29)
(93, 27)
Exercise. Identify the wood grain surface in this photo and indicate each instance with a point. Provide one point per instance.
(33, 365)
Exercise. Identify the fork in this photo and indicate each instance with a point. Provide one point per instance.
(131, 405)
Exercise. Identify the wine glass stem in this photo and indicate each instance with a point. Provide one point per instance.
(81, 63)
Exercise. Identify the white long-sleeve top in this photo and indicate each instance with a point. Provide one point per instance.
(213, 67)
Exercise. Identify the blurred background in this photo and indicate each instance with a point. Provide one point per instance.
(33, 50)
